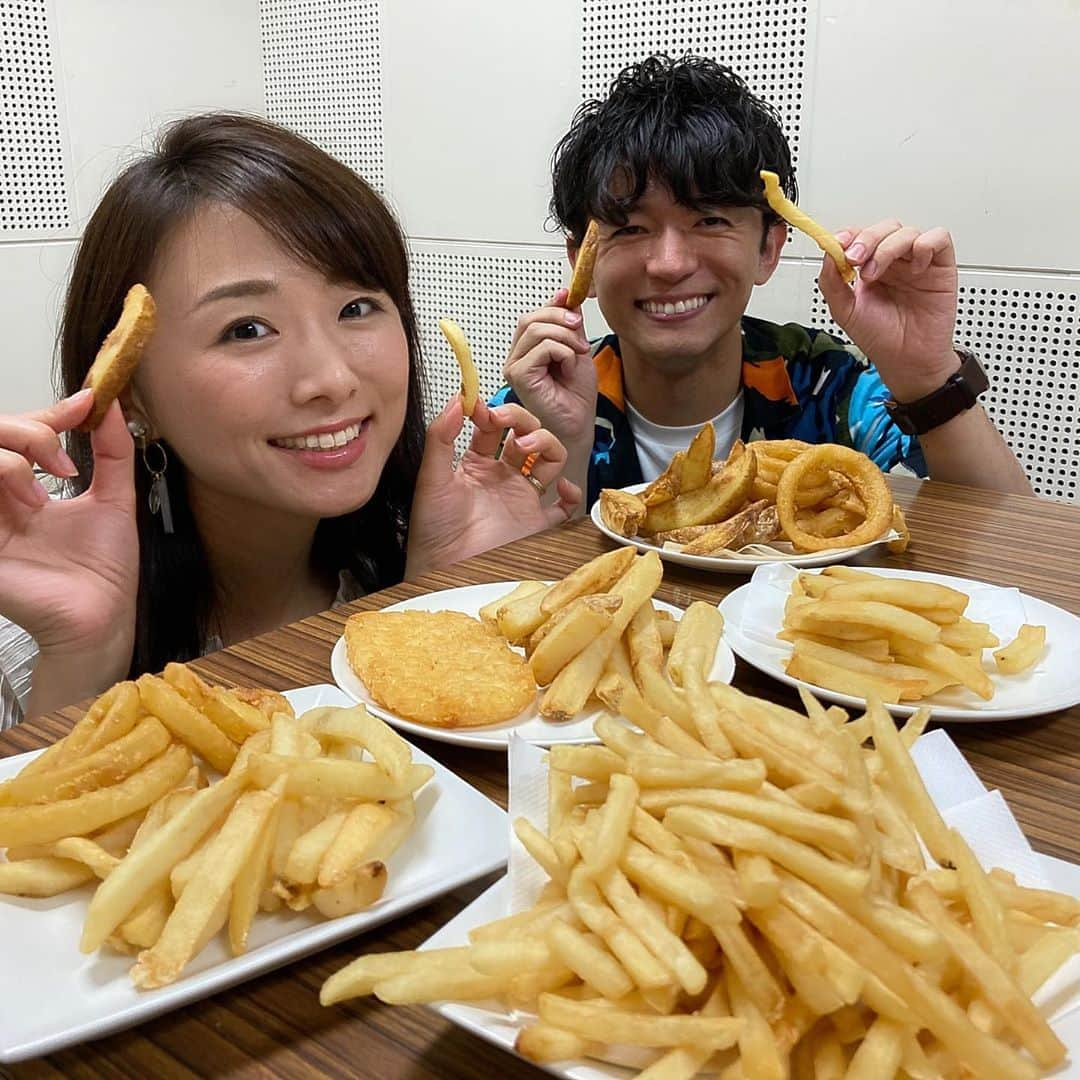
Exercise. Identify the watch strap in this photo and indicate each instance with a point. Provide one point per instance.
(956, 395)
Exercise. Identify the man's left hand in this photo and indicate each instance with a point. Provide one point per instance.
(902, 310)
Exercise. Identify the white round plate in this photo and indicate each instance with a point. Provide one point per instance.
(740, 564)
(528, 725)
(1053, 684)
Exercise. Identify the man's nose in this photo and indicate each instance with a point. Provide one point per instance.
(672, 255)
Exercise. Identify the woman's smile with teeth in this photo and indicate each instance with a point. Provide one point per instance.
(675, 307)
(327, 440)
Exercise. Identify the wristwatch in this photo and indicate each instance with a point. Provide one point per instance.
(956, 395)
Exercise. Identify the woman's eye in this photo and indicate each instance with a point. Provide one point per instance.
(357, 309)
(246, 330)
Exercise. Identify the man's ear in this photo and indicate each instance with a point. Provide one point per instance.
(769, 259)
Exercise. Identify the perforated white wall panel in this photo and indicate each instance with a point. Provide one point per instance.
(34, 193)
(1024, 330)
(763, 40)
(323, 76)
(485, 289)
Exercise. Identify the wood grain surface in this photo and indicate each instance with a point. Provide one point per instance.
(274, 1025)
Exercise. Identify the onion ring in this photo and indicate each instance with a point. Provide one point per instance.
(866, 481)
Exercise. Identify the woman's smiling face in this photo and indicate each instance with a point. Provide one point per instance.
(273, 384)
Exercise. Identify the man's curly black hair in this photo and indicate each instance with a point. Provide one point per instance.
(687, 123)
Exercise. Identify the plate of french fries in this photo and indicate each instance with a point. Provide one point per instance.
(598, 643)
(970, 650)
(791, 902)
(186, 837)
(737, 514)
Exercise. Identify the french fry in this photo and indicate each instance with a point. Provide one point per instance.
(488, 614)
(186, 722)
(585, 619)
(595, 576)
(700, 628)
(44, 876)
(223, 861)
(331, 778)
(1022, 652)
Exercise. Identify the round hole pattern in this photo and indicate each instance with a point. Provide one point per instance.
(485, 295)
(763, 40)
(33, 157)
(322, 72)
(1024, 332)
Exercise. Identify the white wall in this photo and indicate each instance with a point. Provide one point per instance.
(123, 67)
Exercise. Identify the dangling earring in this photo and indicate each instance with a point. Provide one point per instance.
(159, 489)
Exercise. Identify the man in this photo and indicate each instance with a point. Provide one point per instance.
(668, 164)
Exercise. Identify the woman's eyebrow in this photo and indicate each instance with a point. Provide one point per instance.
(233, 289)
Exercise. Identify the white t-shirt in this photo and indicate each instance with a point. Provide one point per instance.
(656, 445)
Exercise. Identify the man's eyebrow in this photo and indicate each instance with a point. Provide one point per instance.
(233, 289)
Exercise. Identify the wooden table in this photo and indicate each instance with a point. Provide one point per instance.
(274, 1026)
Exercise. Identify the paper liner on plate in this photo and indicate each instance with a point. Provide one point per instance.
(778, 549)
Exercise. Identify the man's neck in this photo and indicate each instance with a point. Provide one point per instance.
(701, 391)
(262, 572)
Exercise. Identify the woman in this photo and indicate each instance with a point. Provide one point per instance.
(274, 427)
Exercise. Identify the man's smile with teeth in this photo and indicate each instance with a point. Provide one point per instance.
(673, 307)
(327, 440)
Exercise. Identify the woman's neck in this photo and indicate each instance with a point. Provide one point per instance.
(260, 559)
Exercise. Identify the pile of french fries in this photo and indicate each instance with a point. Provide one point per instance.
(895, 639)
(751, 897)
(597, 632)
(704, 507)
(304, 814)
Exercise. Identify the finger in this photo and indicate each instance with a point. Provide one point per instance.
(862, 248)
(551, 459)
(543, 361)
(67, 413)
(38, 442)
(933, 247)
(838, 295)
(437, 464)
(489, 430)
(114, 459)
(543, 333)
(18, 482)
(846, 235)
(566, 505)
(551, 316)
(894, 248)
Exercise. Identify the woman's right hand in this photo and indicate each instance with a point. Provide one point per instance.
(69, 568)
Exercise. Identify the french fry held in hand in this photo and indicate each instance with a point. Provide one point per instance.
(765, 915)
(470, 377)
(898, 640)
(122, 800)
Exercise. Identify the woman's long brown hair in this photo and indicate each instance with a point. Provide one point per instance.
(323, 213)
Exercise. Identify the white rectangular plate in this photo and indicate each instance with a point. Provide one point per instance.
(500, 1027)
(64, 997)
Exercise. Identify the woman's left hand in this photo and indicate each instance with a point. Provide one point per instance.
(482, 503)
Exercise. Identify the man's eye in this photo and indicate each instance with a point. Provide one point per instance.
(628, 230)
(246, 330)
(357, 309)
(714, 220)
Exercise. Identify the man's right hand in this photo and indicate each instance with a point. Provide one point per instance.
(550, 370)
(69, 568)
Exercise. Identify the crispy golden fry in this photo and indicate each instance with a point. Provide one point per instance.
(802, 221)
(336, 779)
(1022, 652)
(700, 628)
(470, 377)
(595, 576)
(622, 512)
(578, 624)
(584, 261)
(112, 763)
(44, 876)
(119, 354)
(489, 612)
(186, 722)
(697, 465)
(45, 822)
(719, 498)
